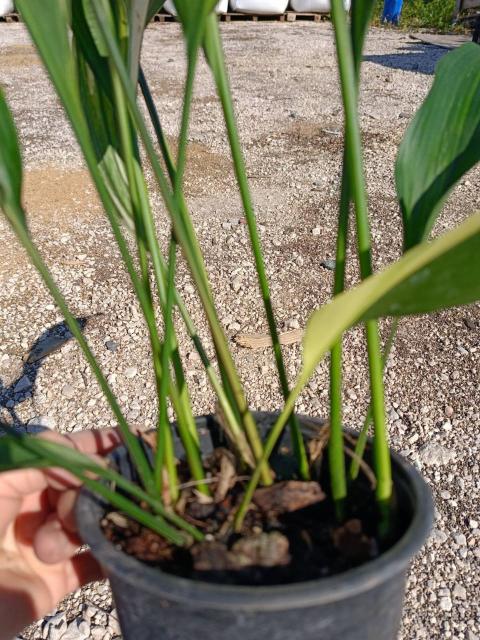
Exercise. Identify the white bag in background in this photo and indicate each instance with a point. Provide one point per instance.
(222, 7)
(6, 6)
(260, 7)
(314, 6)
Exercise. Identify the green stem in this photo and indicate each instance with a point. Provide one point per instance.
(336, 456)
(163, 423)
(134, 448)
(153, 113)
(353, 143)
(363, 435)
(186, 238)
(217, 63)
(238, 437)
(272, 439)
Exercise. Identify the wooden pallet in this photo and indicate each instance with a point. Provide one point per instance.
(289, 16)
(11, 17)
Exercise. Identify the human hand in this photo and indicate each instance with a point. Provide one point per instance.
(39, 559)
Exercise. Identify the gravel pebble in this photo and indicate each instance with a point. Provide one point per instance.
(68, 391)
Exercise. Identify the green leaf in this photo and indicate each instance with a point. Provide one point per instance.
(114, 174)
(153, 9)
(361, 12)
(140, 12)
(442, 142)
(92, 22)
(14, 456)
(10, 160)
(431, 276)
(192, 15)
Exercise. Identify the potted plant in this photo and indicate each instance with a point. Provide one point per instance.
(245, 524)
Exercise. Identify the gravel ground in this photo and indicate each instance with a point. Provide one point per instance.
(287, 100)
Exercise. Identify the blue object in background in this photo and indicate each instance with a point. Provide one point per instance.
(392, 10)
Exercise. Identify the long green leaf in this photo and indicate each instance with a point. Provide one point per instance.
(10, 160)
(153, 8)
(442, 142)
(360, 13)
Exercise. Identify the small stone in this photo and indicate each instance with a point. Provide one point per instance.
(237, 283)
(473, 524)
(459, 592)
(89, 611)
(328, 264)
(460, 539)
(97, 633)
(68, 391)
(131, 372)
(293, 324)
(393, 415)
(101, 617)
(113, 624)
(445, 495)
(447, 425)
(471, 635)
(40, 423)
(439, 536)
(469, 323)
(445, 603)
(316, 231)
(111, 345)
(189, 288)
(434, 454)
(55, 626)
(79, 629)
(449, 411)
(226, 225)
(24, 384)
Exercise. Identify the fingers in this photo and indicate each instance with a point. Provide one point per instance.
(93, 442)
(52, 543)
(66, 510)
(100, 441)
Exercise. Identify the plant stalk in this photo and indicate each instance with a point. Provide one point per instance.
(353, 144)
(217, 62)
(186, 238)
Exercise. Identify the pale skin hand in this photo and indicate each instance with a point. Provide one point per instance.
(39, 560)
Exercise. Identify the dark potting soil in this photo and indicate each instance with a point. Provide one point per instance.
(290, 533)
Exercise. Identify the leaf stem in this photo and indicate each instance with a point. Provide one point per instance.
(353, 143)
(213, 48)
(186, 237)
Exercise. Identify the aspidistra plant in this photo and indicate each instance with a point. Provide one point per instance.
(91, 50)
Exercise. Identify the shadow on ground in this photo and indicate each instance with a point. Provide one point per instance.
(417, 57)
(51, 340)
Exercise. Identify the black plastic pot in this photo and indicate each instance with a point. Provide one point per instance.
(364, 603)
